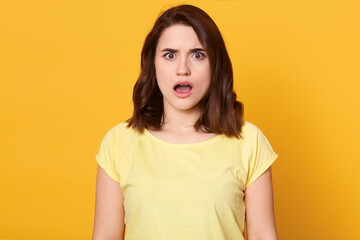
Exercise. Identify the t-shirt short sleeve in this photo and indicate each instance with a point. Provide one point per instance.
(261, 158)
(106, 155)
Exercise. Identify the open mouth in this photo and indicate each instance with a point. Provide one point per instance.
(182, 88)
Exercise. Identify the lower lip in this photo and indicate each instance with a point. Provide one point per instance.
(183, 94)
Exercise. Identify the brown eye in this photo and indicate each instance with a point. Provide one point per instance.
(198, 55)
(169, 55)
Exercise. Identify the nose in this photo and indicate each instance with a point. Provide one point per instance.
(183, 68)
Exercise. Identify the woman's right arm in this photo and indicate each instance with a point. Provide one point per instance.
(109, 208)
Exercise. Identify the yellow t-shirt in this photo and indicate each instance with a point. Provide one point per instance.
(184, 191)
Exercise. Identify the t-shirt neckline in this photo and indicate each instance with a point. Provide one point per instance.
(153, 137)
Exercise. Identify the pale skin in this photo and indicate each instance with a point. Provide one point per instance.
(180, 116)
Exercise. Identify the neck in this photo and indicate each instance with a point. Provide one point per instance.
(180, 121)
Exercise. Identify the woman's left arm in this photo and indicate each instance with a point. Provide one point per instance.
(259, 209)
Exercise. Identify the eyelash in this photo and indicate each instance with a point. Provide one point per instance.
(167, 54)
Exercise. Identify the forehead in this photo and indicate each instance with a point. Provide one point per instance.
(177, 37)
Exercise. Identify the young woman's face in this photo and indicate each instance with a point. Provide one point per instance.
(182, 67)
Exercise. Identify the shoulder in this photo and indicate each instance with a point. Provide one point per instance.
(249, 128)
(120, 133)
(252, 136)
(120, 128)
(249, 131)
(248, 139)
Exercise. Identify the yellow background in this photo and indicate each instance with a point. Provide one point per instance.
(67, 69)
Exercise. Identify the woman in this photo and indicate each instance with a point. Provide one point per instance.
(186, 164)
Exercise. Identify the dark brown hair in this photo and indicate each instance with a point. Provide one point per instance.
(220, 112)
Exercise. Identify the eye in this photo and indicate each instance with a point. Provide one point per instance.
(198, 55)
(169, 55)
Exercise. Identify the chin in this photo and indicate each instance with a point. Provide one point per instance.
(186, 107)
(183, 104)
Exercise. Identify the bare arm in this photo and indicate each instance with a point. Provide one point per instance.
(259, 210)
(109, 208)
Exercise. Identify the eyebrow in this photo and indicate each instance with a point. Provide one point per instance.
(192, 50)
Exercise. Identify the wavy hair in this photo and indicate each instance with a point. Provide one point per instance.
(220, 111)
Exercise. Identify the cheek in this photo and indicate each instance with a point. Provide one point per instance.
(160, 70)
(207, 74)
